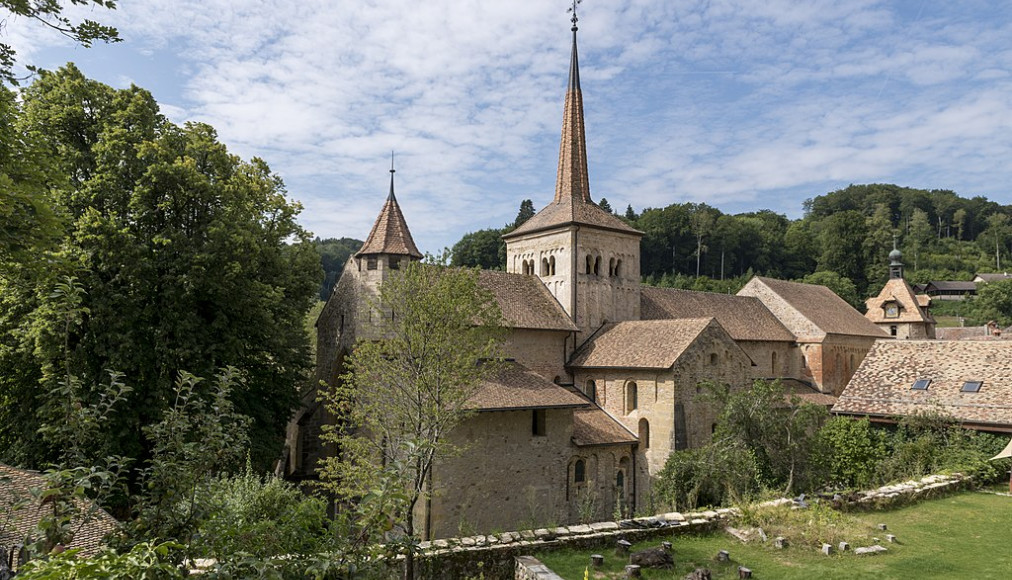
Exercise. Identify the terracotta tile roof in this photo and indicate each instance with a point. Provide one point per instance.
(572, 212)
(390, 234)
(899, 291)
(517, 387)
(820, 306)
(525, 301)
(743, 317)
(882, 384)
(640, 344)
(15, 485)
(593, 426)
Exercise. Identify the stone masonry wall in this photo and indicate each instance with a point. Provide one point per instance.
(542, 351)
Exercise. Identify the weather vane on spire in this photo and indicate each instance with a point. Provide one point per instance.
(391, 162)
(572, 9)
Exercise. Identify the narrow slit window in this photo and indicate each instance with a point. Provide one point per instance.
(921, 384)
(971, 386)
(538, 421)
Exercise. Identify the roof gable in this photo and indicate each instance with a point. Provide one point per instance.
(516, 388)
(819, 311)
(882, 384)
(640, 344)
(743, 317)
(525, 301)
(899, 291)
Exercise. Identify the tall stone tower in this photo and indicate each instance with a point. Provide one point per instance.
(588, 258)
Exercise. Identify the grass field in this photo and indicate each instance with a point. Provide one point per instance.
(968, 535)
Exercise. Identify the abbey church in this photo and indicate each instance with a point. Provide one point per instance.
(605, 371)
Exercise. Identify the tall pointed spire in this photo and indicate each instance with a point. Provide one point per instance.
(572, 181)
(390, 233)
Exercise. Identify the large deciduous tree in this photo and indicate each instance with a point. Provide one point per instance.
(404, 393)
(189, 259)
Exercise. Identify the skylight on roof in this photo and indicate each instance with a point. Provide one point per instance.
(921, 385)
(971, 386)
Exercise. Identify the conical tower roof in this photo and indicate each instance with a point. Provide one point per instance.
(572, 203)
(390, 233)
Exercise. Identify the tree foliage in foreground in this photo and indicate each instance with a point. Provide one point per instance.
(49, 14)
(403, 394)
(187, 257)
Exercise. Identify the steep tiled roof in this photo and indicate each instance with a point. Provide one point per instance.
(819, 305)
(882, 384)
(517, 387)
(743, 317)
(640, 344)
(572, 203)
(390, 234)
(15, 486)
(897, 290)
(593, 426)
(525, 301)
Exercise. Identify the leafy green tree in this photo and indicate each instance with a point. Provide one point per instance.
(877, 244)
(996, 236)
(852, 449)
(483, 249)
(919, 235)
(841, 237)
(994, 302)
(49, 13)
(403, 394)
(702, 219)
(189, 258)
(334, 253)
(959, 222)
(526, 212)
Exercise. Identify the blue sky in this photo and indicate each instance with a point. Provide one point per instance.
(742, 104)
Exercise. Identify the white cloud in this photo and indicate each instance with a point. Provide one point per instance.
(737, 103)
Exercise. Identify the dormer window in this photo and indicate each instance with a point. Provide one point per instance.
(921, 385)
(971, 387)
(892, 310)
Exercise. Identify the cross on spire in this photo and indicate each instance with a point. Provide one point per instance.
(572, 10)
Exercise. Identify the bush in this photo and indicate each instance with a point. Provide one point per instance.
(712, 475)
(851, 451)
(260, 517)
(145, 561)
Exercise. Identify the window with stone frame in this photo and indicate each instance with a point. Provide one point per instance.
(591, 391)
(644, 434)
(370, 263)
(551, 266)
(395, 263)
(618, 268)
(580, 471)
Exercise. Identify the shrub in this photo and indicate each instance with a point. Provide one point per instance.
(851, 451)
(712, 475)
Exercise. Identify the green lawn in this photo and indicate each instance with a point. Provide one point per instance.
(968, 535)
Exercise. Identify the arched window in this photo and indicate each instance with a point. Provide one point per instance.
(620, 482)
(631, 397)
(644, 432)
(590, 264)
(611, 267)
(591, 391)
(551, 266)
(773, 363)
(579, 471)
(597, 265)
(618, 268)
(851, 369)
(713, 358)
(544, 266)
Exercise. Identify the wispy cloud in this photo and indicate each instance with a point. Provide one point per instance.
(737, 103)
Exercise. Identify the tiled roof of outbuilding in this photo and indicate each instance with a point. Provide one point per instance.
(640, 344)
(518, 387)
(16, 485)
(820, 306)
(593, 426)
(899, 291)
(743, 317)
(525, 301)
(569, 211)
(882, 384)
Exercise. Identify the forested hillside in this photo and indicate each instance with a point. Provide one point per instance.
(844, 238)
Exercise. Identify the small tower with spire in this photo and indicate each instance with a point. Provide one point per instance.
(389, 243)
(895, 265)
(588, 258)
